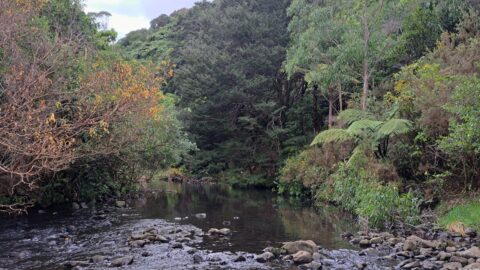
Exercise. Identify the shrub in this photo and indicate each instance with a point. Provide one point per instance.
(358, 190)
(311, 168)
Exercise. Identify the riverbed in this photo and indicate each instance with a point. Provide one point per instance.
(93, 237)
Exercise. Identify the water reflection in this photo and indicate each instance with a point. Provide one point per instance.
(257, 218)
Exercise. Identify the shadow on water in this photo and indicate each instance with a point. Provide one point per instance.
(257, 218)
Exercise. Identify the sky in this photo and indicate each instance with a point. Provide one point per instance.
(129, 15)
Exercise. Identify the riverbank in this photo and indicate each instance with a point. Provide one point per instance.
(425, 247)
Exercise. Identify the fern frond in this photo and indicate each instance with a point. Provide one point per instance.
(363, 126)
(352, 115)
(395, 127)
(334, 135)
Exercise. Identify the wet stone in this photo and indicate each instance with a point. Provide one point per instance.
(450, 249)
(75, 206)
(411, 265)
(472, 266)
(311, 266)
(177, 245)
(98, 259)
(459, 259)
(73, 264)
(146, 254)
(120, 204)
(265, 257)
(364, 243)
(429, 265)
(302, 257)
(473, 252)
(240, 259)
(197, 259)
(122, 261)
(452, 266)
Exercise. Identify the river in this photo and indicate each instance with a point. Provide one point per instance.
(257, 219)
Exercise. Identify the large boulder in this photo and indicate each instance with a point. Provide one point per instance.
(472, 266)
(302, 257)
(302, 245)
(419, 242)
(459, 259)
(473, 252)
(409, 245)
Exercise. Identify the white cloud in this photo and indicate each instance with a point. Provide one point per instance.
(124, 24)
(127, 15)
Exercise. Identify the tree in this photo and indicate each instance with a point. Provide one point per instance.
(367, 133)
(62, 101)
(463, 140)
(315, 30)
(228, 63)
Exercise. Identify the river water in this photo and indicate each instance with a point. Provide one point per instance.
(257, 219)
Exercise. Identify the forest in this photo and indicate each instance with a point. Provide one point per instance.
(371, 105)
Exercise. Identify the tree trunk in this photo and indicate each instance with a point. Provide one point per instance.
(366, 41)
(330, 112)
(316, 117)
(340, 98)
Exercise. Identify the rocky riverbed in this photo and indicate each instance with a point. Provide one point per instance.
(424, 248)
(203, 227)
(116, 237)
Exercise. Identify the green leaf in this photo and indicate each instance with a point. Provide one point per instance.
(395, 127)
(333, 135)
(363, 126)
(351, 115)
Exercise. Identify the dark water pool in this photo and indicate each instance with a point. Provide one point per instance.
(257, 218)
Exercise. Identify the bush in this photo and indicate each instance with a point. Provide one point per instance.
(381, 205)
(311, 168)
(293, 189)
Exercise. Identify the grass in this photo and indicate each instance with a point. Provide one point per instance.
(467, 214)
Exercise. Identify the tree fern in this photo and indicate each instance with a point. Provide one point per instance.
(364, 126)
(394, 127)
(334, 135)
(352, 115)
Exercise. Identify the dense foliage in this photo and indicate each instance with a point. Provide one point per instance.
(391, 83)
(245, 115)
(74, 113)
(369, 104)
(417, 132)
